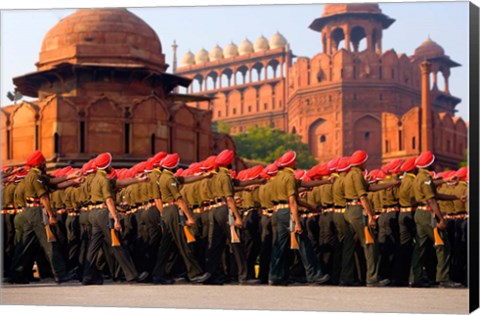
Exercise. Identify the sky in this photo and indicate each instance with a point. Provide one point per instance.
(193, 28)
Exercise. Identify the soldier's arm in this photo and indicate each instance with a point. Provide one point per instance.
(434, 205)
(122, 183)
(45, 201)
(315, 183)
(113, 213)
(377, 187)
(244, 183)
(446, 197)
(193, 179)
(306, 205)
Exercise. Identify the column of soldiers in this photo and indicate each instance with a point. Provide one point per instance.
(157, 223)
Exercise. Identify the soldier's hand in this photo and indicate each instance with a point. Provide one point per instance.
(74, 174)
(238, 223)
(141, 177)
(79, 180)
(52, 220)
(371, 222)
(463, 198)
(208, 175)
(117, 226)
(441, 225)
(298, 228)
(190, 222)
(331, 179)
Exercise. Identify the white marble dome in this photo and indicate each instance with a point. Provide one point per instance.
(188, 59)
(201, 56)
(230, 50)
(277, 41)
(261, 44)
(216, 53)
(246, 47)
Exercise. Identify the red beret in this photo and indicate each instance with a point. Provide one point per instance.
(36, 158)
(386, 167)
(209, 163)
(286, 160)
(270, 170)
(241, 175)
(89, 167)
(300, 174)
(318, 171)
(462, 173)
(171, 161)
(433, 174)
(425, 159)
(149, 165)
(181, 172)
(372, 176)
(225, 158)
(55, 172)
(103, 161)
(343, 164)
(254, 172)
(139, 167)
(395, 166)
(195, 168)
(380, 175)
(157, 158)
(64, 171)
(358, 158)
(333, 164)
(233, 174)
(408, 165)
(112, 174)
(449, 175)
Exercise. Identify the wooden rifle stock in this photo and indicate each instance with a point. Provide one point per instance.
(188, 234)
(368, 236)
(293, 241)
(437, 237)
(115, 240)
(234, 235)
(50, 236)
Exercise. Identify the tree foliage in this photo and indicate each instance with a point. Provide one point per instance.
(265, 144)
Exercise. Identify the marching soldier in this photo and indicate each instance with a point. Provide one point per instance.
(285, 214)
(174, 212)
(406, 223)
(430, 224)
(460, 272)
(103, 215)
(38, 220)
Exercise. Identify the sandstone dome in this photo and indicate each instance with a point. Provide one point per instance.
(216, 53)
(277, 40)
(201, 56)
(188, 59)
(260, 44)
(230, 50)
(429, 49)
(246, 47)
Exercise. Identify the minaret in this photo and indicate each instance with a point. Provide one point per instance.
(174, 46)
(426, 127)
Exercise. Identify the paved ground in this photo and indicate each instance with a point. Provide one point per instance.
(320, 298)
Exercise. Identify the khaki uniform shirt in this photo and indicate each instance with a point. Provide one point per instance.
(285, 185)
(154, 184)
(67, 198)
(446, 206)
(375, 199)
(264, 195)
(19, 194)
(205, 189)
(406, 195)
(101, 188)
(355, 184)
(389, 196)
(222, 185)
(423, 187)
(8, 195)
(36, 185)
(169, 187)
(326, 195)
(460, 189)
(339, 191)
(56, 199)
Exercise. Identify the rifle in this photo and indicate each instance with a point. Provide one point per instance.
(436, 235)
(368, 235)
(186, 229)
(113, 233)
(50, 236)
(235, 238)
(293, 235)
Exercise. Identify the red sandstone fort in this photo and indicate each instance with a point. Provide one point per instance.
(102, 85)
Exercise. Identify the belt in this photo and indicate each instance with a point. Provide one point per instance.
(33, 204)
(61, 211)
(99, 206)
(219, 204)
(425, 208)
(390, 209)
(313, 214)
(456, 216)
(167, 204)
(246, 212)
(281, 206)
(32, 199)
(197, 210)
(11, 211)
(354, 203)
(339, 210)
(73, 214)
(377, 215)
(407, 209)
(328, 210)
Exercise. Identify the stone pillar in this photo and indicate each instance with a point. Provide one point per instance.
(379, 44)
(435, 74)
(426, 127)
(329, 44)
(446, 75)
(346, 31)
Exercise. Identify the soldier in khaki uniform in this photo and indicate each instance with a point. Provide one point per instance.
(37, 201)
(388, 228)
(266, 204)
(285, 194)
(103, 215)
(356, 190)
(426, 195)
(8, 217)
(342, 265)
(406, 223)
(173, 235)
(460, 255)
